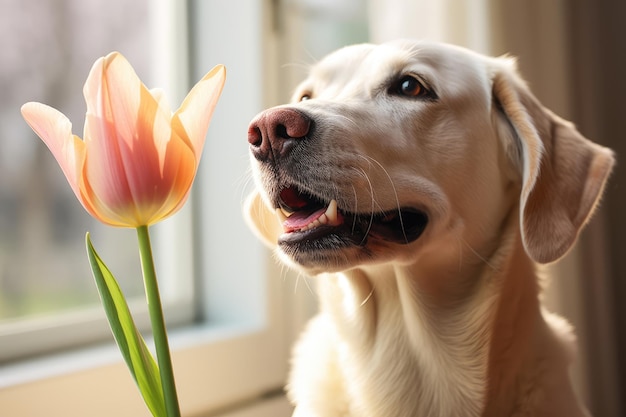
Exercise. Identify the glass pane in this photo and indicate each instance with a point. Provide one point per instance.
(47, 49)
(315, 28)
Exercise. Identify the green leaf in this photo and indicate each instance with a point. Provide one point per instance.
(132, 345)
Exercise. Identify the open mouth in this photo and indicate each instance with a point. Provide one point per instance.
(309, 219)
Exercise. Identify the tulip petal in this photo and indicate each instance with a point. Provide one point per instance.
(129, 133)
(56, 132)
(192, 119)
(106, 180)
(180, 169)
(159, 97)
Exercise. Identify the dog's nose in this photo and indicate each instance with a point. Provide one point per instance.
(274, 132)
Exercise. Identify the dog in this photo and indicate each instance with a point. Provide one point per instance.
(423, 184)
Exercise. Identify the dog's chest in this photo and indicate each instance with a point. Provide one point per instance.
(392, 380)
(392, 369)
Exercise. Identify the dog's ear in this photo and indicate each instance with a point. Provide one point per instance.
(563, 173)
(263, 221)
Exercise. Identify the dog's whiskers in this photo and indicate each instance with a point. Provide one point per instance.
(369, 296)
(370, 160)
(350, 120)
(372, 206)
(373, 161)
(299, 65)
(306, 281)
(478, 255)
(243, 183)
(356, 207)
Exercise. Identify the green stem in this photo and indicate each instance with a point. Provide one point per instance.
(158, 323)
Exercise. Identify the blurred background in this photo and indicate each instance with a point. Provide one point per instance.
(572, 52)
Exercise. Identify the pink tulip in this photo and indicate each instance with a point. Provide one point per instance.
(138, 161)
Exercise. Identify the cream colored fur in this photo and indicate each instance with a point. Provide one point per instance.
(451, 324)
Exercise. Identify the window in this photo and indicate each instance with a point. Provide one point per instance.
(238, 350)
(48, 300)
(240, 316)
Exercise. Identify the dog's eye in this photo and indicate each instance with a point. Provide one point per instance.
(409, 86)
(305, 97)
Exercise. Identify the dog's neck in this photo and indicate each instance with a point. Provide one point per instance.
(472, 341)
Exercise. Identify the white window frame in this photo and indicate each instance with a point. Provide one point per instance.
(238, 355)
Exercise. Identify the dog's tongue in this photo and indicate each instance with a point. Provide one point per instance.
(301, 219)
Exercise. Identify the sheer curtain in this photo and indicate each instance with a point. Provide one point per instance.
(538, 33)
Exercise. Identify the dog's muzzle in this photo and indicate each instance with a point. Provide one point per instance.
(312, 221)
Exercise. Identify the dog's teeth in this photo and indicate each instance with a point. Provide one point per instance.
(281, 215)
(331, 213)
(285, 213)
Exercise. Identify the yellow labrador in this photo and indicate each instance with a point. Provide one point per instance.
(423, 182)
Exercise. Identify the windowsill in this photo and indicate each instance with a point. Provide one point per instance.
(63, 363)
(216, 367)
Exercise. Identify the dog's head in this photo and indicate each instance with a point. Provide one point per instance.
(389, 152)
